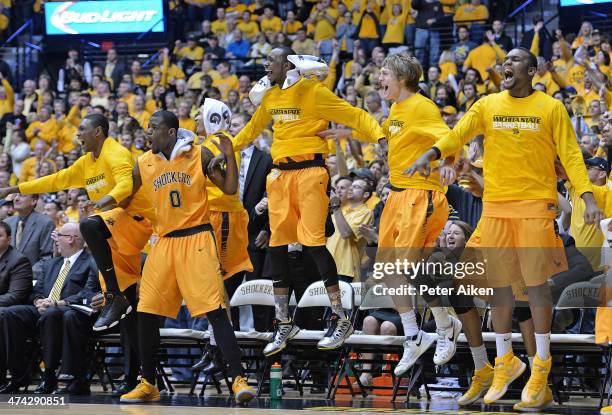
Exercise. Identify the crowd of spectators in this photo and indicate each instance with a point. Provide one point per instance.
(214, 58)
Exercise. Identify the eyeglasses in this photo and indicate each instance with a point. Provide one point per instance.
(65, 234)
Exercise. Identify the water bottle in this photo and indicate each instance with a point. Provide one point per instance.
(276, 379)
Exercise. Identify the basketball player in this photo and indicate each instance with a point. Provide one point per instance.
(183, 263)
(417, 210)
(114, 235)
(525, 130)
(228, 217)
(298, 187)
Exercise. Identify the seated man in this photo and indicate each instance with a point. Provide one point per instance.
(64, 331)
(15, 283)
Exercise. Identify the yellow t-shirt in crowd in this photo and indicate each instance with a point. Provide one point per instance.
(249, 30)
(467, 12)
(413, 126)
(546, 79)
(218, 27)
(275, 24)
(395, 29)
(142, 80)
(195, 54)
(299, 113)
(6, 105)
(575, 77)
(225, 85)
(48, 131)
(291, 28)
(196, 78)
(447, 68)
(347, 252)
(142, 117)
(523, 138)
(324, 29)
(483, 57)
(368, 29)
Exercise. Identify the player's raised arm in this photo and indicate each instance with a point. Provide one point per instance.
(467, 128)
(251, 131)
(225, 179)
(331, 108)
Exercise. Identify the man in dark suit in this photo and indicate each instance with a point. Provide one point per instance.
(15, 284)
(31, 232)
(113, 69)
(254, 168)
(71, 279)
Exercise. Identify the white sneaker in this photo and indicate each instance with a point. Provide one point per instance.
(447, 342)
(414, 347)
(283, 332)
(339, 330)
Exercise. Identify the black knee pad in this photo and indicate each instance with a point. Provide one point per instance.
(325, 264)
(522, 312)
(279, 266)
(461, 303)
(94, 225)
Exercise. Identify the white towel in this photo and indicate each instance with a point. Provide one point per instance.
(184, 141)
(305, 65)
(216, 116)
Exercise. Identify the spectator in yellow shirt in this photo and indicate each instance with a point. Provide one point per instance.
(192, 51)
(45, 128)
(323, 17)
(4, 20)
(269, 22)
(291, 26)
(227, 81)
(235, 9)
(219, 26)
(484, 56)
(474, 15)
(303, 45)
(137, 77)
(249, 28)
(394, 35)
(170, 72)
(185, 120)
(7, 96)
(30, 165)
(140, 113)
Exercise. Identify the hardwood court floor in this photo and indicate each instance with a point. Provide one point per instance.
(99, 403)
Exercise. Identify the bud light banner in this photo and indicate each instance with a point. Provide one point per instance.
(583, 2)
(101, 17)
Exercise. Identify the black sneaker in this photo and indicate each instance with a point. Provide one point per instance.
(116, 307)
(339, 330)
(124, 388)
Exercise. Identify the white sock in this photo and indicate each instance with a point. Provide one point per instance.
(543, 345)
(212, 340)
(409, 323)
(440, 314)
(281, 307)
(503, 341)
(479, 355)
(530, 358)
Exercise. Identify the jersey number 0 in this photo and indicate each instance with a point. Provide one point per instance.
(175, 199)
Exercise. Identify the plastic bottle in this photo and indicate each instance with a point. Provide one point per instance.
(276, 380)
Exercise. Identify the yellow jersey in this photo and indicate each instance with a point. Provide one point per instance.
(523, 137)
(299, 113)
(176, 188)
(413, 126)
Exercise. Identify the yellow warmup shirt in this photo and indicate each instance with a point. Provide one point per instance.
(523, 137)
(413, 126)
(110, 174)
(299, 113)
(217, 200)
